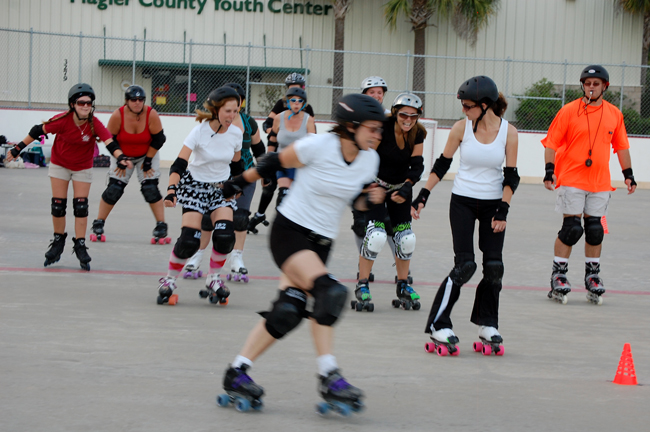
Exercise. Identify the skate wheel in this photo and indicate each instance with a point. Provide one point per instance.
(203, 293)
(173, 299)
(236, 277)
(228, 277)
(396, 303)
(160, 300)
(242, 405)
(342, 408)
(186, 275)
(358, 307)
(224, 302)
(265, 223)
(455, 353)
(487, 350)
(244, 278)
(102, 238)
(500, 350)
(429, 347)
(162, 241)
(371, 307)
(353, 303)
(322, 408)
(478, 346)
(223, 400)
(168, 240)
(442, 350)
(407, 305)
(416, 306)
(153, 240)
(200, 273)
(565, 299)
(93, 238)
(371, 277)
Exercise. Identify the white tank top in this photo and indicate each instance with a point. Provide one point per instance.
(480, 174)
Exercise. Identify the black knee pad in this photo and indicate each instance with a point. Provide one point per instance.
(58, 206)
(329, 299)
(594, 231)
(114, 191)
(462, 272)
(223, 236)
(188, 243)
(287, 312)
(150, 192)
(358, 223)
(571, 230)
(80, 207)
(493, 271)
(206, 223)
(282, 192)
(240, 219)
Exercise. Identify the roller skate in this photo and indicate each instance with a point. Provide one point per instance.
(406, 296)
(339, 395)
(241, 390)
(191, 269)
(56, 249)
(160, 234)
(593, 283)
(80, 249)
(98, 231)
(444, 342)
(409, 279)
(166, 291)
(238, 272)
(490, 342)
(255, 221)
(560, 285)
(362, 293)
(218, 296)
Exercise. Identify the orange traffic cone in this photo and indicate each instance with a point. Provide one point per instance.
(625, 375)
(603, 221)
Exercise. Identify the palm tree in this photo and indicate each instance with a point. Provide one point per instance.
(468, 17)
(341, 8)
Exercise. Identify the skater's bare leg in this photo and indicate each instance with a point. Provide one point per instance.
(323, 338)
(240, 239)
(104, 209)
(80, 190)
(258, 341)
(303, 268)
(158, 210)
(365, 267)
(402, 267)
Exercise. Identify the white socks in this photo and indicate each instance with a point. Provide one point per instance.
(326, 364)
(241, 360)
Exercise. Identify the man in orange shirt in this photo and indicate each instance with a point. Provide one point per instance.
(577, 165)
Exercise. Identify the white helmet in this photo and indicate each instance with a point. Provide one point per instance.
(409, 100)
(373, 81)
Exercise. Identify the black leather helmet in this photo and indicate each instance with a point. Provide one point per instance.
(478, 89)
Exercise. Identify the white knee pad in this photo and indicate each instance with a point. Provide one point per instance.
(404, 244)
(373, 242)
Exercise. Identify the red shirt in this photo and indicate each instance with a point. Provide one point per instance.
(574, 133)
(74, 145)
(134, 145)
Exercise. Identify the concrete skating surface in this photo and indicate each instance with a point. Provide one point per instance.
(84, 351)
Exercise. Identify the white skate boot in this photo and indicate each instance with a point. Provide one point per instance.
(191, 269)
(443, 342)
(215, 290)
(166, 291)
(238, 271)
(490, 342)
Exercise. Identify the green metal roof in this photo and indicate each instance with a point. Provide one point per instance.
(196, 66)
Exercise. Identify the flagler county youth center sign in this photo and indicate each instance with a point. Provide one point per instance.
(274, 6)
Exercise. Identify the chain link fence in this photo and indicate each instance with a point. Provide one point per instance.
(37, 69)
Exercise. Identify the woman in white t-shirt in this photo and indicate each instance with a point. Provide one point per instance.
(332, 171)
(481, 192)
(215, 142)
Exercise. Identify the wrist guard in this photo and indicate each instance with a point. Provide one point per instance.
(422, 198)
(627, 174)
(502, 211)
(120, 161)
(146, 164)
(17, 149)
(406, 191)
(550, 170)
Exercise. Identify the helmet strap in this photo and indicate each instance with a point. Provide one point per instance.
(483, 111)
(301, 108)
(136, 113)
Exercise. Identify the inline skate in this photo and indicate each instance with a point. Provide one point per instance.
(55, 250)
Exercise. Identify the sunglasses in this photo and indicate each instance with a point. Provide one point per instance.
(84, 103)
(468, 107)
(407, 116)
(137, 99)
(373, 130)
(296, 100)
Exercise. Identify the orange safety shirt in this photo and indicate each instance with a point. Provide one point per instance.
(574, 132)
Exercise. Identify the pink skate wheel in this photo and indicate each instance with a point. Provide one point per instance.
(487, 350)
(102, 238)
(457, 352)
(93, 238)
(173, 299)
(244, 278)
(442, 350)
(168, 240)
(429, 347)
(153, 240)
(478, 346)
(161, 241)
(501, 351)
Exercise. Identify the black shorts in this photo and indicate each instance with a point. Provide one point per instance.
(288, 237)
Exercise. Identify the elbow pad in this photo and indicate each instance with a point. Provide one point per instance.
(417, 168)
(112, 147)
(179, 167)
(158, 140)
(510, 178)
(268, 124)
(236, 168)
(441, 166)
(269, 165)
(36, 132)
(258, 149)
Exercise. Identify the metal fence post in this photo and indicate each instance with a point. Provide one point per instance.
(133, 67)
(31, 56)
(307, 66)
(408, 62)
(248, 80)
(80, 39)
(620, 104)
(566, 65)
(508, 61)
(189, 80)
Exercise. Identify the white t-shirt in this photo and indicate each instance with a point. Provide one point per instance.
(212, 152)
(326, 185)
(480, 173)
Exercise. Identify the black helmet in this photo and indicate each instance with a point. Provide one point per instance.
(296, 91)
(478, 89)
(134, 91)
(79, 90)
(294, 78)
(238, 88)
(222, 93)
(357, 108)
(594, 71)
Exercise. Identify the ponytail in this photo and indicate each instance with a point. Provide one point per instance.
(500, 106)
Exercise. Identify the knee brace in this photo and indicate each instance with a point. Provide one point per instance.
(493, 271)
(404, 239)
(240, 219)
(113, 191)
(571, 230)
(80, 207)
(359, 223)
(58, 206)
(594, 231)
(282, 192)
(223, 237)
(150, 192)
(287, 312)
(188, 243)
(329, 299)
(374, 240)
(462, 273)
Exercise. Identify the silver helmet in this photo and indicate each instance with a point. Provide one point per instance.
(373, 81)
(409, 100)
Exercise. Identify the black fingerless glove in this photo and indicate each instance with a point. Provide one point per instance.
(422, 198)
(234, 186)
(171, 195)
(20, 147)
(627, 173)
(120, 161)
(146, 164)
(550, 170)
(406, 191)
(502, 211)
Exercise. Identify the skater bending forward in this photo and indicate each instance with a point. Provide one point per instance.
(332, 171)
(72, 160)
(481, 192)
(197, 186)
